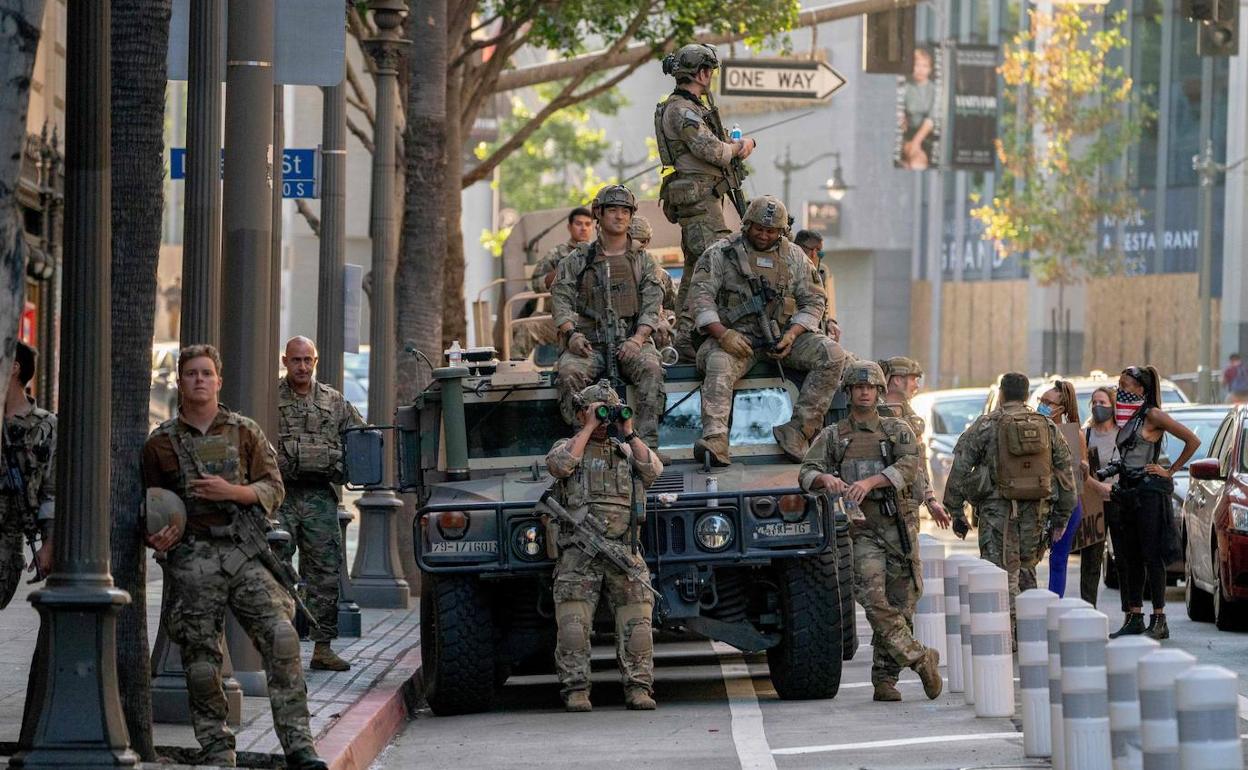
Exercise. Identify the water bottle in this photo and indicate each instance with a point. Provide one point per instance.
(853, 511)
(736, 132)
(455, 355)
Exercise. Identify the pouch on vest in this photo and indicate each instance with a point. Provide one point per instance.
(317, 458)
(1024, 456)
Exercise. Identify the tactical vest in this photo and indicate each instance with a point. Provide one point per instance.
(857, 454)
(28, 442)
(670, 149)
(310, 446)
(625, 289)
(771, 267)
(603, 482)
(218, 453)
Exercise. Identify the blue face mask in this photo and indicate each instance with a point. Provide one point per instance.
(1045, 410)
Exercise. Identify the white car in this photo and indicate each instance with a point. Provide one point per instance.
(946, 413)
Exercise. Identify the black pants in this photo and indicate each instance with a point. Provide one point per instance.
(1143, 521)
(1091, 559)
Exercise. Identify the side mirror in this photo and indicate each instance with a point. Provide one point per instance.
(1207, 469)
(364, 457)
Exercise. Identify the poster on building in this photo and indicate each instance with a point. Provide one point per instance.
(920, 111)
(973, 117)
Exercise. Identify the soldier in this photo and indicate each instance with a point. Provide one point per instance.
(528, 336)
(1014, 467)
(811, 244)
(902, 375)
(699, 161)
(872, 461)
(216, 460)
(633, 294)
(734, 278)
(604, 476)
(28, 484)
(312, 417)
(641, 233)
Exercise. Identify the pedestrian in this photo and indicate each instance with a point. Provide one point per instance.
(1099, 435)
(28, 484)
(610, 277)
(697, 166)
(1235, 380)
(752, 299)
(527, 337)
(220, 465)
(1143, 492)
(601, 478)
(311, 419)
(1060, 405)
(871, 461)
(1015, 469)
(903, 375)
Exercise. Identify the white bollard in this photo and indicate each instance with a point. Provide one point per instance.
(992, 656)
(929, 614)
(953, 622)
(1159, 721)
(1122, 655)
(1052, 615)
(1085, 685)
(964, 613)
(1207, 701)
(1033, 670)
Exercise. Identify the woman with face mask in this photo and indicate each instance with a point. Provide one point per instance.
(1143, 493)
(1060, 406)
(1099, 434)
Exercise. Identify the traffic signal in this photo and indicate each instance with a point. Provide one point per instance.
(1217, 38)
(888, 41)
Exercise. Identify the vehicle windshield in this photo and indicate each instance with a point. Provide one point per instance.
(1203, 424)
(513, 428)
(951, 416)
(754, 412)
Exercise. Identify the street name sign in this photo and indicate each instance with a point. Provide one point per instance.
(779, 79)
(300, 170)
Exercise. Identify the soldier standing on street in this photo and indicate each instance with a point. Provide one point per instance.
(312, 417)
(697, 166)
(760, 268)
(610, 274)
(603, 477)
(220, 464)
(902, 375)
(872, 461)
(27, 487)
(1015, 469)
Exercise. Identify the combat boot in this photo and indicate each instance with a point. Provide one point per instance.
(325, 659)
(886, 692)
(1133, 624)
(1157, 627)
(305, 759)
(637, 699)
(792, 440)
(577, 700)
(716, 447)
(928, 669)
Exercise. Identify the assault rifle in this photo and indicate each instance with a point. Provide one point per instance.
(735, 172)
(762, 294)
(589, 534)
(609, 326)
(889, 507)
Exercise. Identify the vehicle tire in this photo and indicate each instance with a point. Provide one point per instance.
(1111, 570)
(845, 580)
(807, 662)
(456, 644)
(1198, 602)
(1227, 615)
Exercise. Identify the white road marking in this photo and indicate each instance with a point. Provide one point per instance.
(748, 734)
(896, 743)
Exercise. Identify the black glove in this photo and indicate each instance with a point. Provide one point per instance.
(961, 526)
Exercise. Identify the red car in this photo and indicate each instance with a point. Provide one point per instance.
(1215, 516)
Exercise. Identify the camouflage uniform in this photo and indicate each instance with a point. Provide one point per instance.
(605, 479)
(882, 578)
(636, 299)
(206, 573)
(719, 286)
(309, 455)
(902, 366)
(30, 447)
(527, 337)
(1012, 533)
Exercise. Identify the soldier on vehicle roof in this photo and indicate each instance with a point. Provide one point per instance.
(528, 336)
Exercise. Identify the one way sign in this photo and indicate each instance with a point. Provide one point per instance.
(779, 79)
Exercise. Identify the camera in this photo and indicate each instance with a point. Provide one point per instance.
(617, 413)
(1113, 468)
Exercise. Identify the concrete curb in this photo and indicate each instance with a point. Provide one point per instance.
(363, 730)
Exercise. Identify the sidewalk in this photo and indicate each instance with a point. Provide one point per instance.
(354, 713)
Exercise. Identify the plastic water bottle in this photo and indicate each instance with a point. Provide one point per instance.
(455, 355)
(736, 132)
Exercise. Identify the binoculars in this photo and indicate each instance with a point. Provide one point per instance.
(618, 413)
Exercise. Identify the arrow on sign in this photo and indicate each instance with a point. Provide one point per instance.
(779, 79)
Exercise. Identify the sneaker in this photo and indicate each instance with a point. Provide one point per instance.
(1157, 627)
(928, 669)
(325, 659)
(577, 701)
(1132, 625)
(637, 699)
(886, 692)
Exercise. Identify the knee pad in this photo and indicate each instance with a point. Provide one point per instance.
(203, 680)
(634, 626)
(575, 624)
(285, 641)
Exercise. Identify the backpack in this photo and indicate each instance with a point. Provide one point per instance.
(1024, 456)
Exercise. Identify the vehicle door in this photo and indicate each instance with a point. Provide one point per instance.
(1202, 497)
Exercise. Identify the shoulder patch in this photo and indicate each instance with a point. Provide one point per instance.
(691, 116)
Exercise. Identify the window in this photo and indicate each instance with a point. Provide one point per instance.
(755, 411)
(513, 428)
(953, 416)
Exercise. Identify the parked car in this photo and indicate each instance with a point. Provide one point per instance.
(1085, 385)
(356, 364)
(1215, 516)
(355, 393)
(946, 413)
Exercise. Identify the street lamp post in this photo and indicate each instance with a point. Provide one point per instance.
(1207, 169)
(73, 712)
(375, 574)
(619, 164)
(787, 167)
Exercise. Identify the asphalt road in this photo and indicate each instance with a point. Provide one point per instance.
(717, 709)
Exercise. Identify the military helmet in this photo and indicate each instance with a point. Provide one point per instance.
(863, 372)
(689, 59)
(640, 230)
(614, 195)
(900, 366)
(599, 392)
(767, 211)
(161, 507)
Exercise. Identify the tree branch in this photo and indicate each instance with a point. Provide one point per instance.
(358, 97)
(360, 134)
(480, 76)
(314, 222)
(509, 30)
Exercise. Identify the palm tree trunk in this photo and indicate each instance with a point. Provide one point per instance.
(454, 322)
(140, 41)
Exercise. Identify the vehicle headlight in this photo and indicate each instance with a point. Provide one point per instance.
(763, 507)
(452, 524)
(793, 507)
(1239, 517)
(530, 542)
(714, 532)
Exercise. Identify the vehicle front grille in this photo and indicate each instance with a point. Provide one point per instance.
(669, 481)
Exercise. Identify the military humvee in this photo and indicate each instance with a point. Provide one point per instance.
(739, 554)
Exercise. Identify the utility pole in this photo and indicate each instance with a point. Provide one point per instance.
(787, 167)
(619, 164)
(73, 712)
(1207, 170)
(375, 574)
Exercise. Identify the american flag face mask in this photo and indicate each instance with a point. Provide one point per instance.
(1125, 406)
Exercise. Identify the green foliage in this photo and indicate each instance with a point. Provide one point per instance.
(1069, 117)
